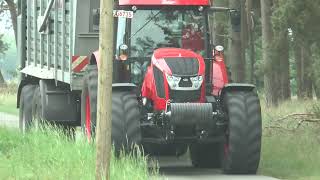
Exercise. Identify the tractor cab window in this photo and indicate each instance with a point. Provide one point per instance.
(153, 29)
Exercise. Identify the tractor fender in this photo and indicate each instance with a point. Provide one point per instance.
(95, 58)
(124, 87)
(237, 87)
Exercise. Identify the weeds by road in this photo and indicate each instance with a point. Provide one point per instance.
(290, 150)
(47, 154)
(8, 99)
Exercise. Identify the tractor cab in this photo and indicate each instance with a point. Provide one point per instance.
(143, 27)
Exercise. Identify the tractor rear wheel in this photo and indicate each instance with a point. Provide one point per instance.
(206, 155)
(125, 113)
(243, 135)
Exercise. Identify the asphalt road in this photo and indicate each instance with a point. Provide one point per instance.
(171, 168)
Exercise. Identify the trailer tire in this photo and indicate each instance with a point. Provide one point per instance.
(243, 135)
(206, 155)
(25, 108)
(125, 114)
(37, 105)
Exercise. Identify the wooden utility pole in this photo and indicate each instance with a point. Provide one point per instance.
(103, 136)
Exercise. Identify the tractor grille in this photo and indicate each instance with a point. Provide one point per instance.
(185, 82)
(183, 66)
(179, 96)
(158, 77)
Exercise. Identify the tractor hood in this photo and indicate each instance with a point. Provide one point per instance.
(179, 62)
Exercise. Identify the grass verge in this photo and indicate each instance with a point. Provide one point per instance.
(47, 154)
(289, 152)
(8, 99)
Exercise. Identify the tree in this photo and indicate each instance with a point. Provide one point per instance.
(104, 111)
(9, 5)
(302, 18)
(271, 80)
(284, 71)
(3, 48)
(237, 44)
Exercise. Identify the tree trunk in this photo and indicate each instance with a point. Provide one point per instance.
(2, 81)
(316, 90)
(271, 83)
(297, 57)
(304, 69)
(251, 40)
(244, 41)
(219, 23)
(13, 14)
(236, 59)
(284, 71)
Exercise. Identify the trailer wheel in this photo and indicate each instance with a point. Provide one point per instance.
(37, 108)
(206, 155)
(125, 114)
(243, 135)
(25, 110)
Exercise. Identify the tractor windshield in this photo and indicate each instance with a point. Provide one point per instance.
(152, 29)
(149, 30)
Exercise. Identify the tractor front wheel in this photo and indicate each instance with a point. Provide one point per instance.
(243, 135)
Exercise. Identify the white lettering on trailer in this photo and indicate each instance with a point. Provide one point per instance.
(122, 13)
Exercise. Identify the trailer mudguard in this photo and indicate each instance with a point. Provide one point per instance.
(58, 104)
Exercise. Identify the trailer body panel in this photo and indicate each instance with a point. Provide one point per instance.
(53, 34)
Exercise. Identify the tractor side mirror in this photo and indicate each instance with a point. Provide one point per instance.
(123, 52)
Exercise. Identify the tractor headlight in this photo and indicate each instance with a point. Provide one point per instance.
(196, 81)
(173, 81)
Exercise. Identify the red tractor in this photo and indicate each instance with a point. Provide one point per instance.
(171, 91)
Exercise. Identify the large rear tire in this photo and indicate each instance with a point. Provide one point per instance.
(25, 108)
(125, 113)
(206, 155)
(243, 135)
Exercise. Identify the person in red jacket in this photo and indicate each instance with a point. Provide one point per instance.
(192, 38)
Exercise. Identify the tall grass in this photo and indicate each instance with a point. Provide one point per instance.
(289, 152)
(48, 154)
